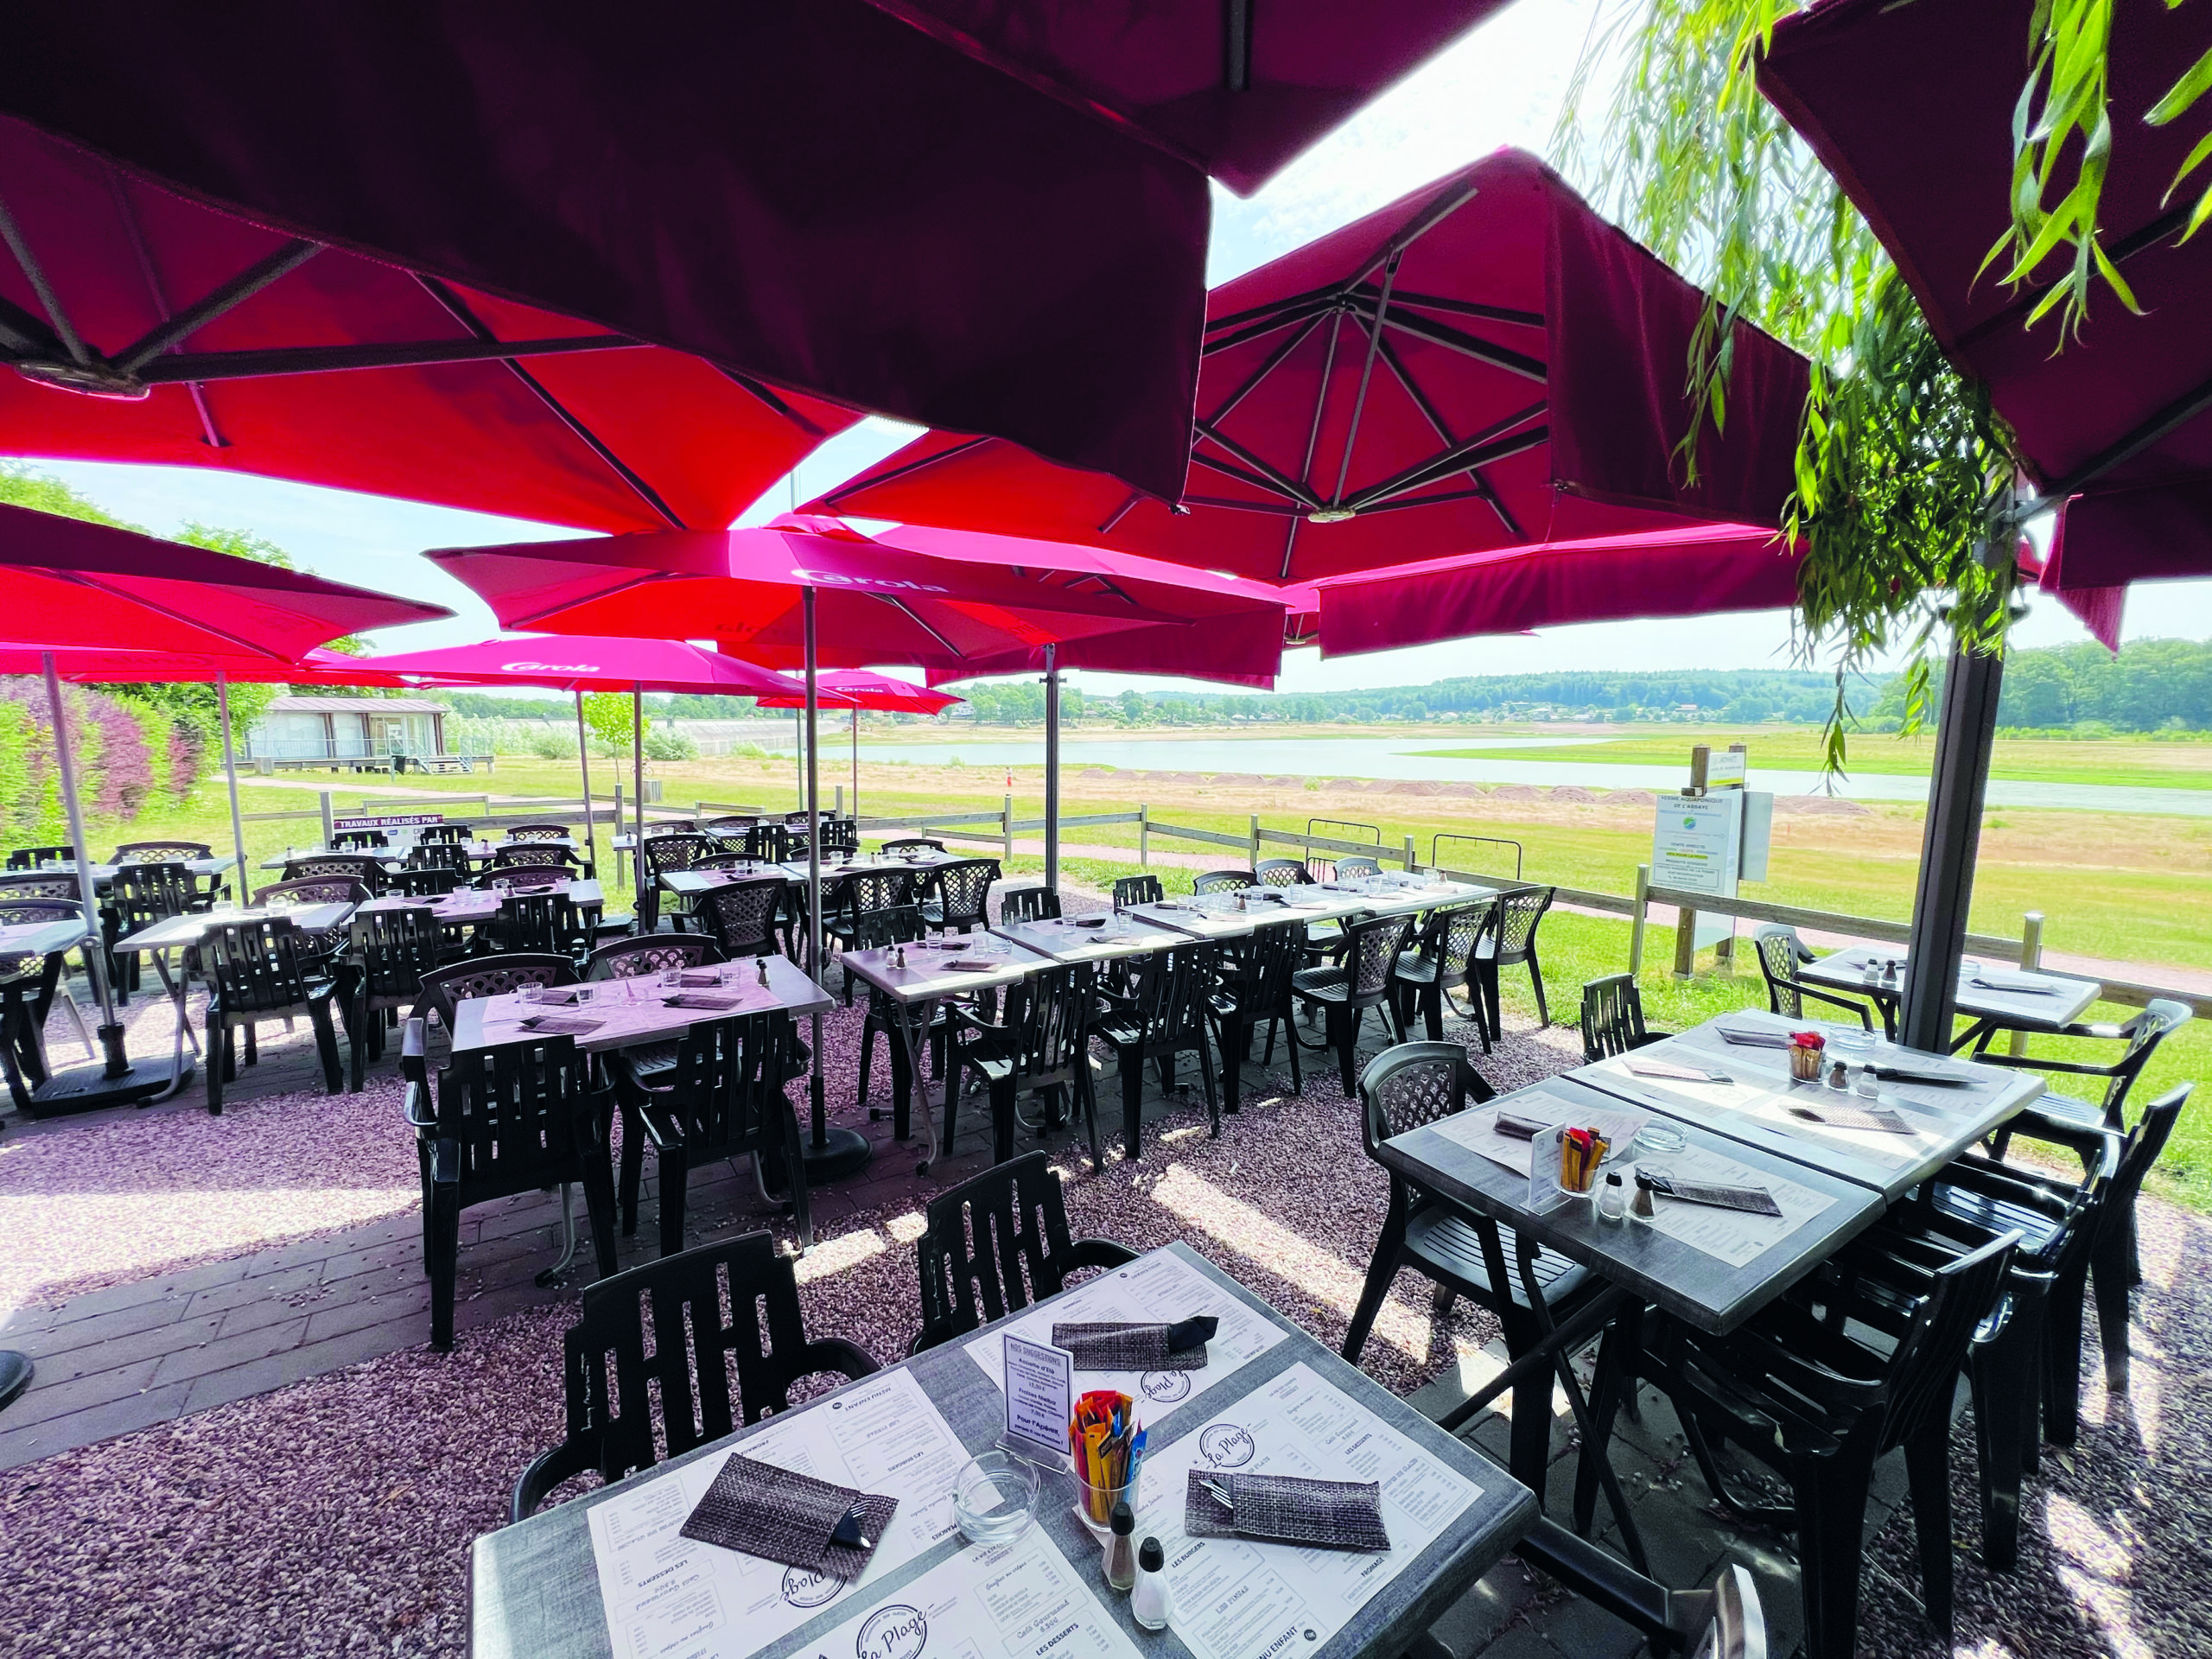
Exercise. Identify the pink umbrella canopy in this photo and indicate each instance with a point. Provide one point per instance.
(72, 583)
(96, 666)
(859, 688)
(1484, 363)
(586, 662)
(2121, 420)
(744, 587)
(146, 327)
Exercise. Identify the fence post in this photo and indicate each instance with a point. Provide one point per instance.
(1255, 840)
(618, 830)
(1409, 855)
(1144, 836)
(2030, 959)
(840, 807)
(1685, 942)
(1636, 927)
(327, 830)
(1006, 823)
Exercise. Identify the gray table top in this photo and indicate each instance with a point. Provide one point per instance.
(465, 904)
(1216, 916)
(535, 1587)
(691, 884)
(1710, 1292)
(40, 938)
(631, 1012)
(2061, 999)
(924, 979)
(1754, 1107)
(191, 928)
(103, 873)
(1070, 941)
(478, 852)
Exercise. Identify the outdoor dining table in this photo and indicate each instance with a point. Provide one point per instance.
(1100, 938)
(474, 906)
(1995, 997)
(933, 970)
(32, 939)
(544, 1586)
(477, 851)
(616, 1014)
(103, 874)
(1219, 916)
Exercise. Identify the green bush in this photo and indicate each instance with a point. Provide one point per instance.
(665, 743)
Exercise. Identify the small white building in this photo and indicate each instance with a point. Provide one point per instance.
(308, 729)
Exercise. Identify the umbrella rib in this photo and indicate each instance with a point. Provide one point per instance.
(23, 333)
(48, 300)
(1268, 473)
(338, 359)
(2178, 413)
(1282, 318)
(210, 433)
(1485, 351)
(1366, 373)
(1313, 437)
(466, 317)
(916, 618)
(766, 395)
(1304, 298)
(1466, 309)
(198, 624)
(1280, 509)
(225, 296)
(1475, 451)
(1120, 513)
(1421, 401)
(1274, 360)
(2119, 252)
(855, 484)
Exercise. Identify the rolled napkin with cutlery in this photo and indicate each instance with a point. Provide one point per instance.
(780, 1514)
(1890, 1072)
(1854, 1117)
(1752, 1036)
(1285, 1510)
(2022, 984)
(1647, 1067)
(1757, 1200)
(1128, 1345)
(699, 978)
(706, 1001)
(558, 1025)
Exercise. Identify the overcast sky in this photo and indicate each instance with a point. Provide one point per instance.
(1501, 85)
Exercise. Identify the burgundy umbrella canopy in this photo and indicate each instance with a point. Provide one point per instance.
(92, 665)
(859, 688)
(146, 327)
(1484, 363)
(586, 662)
(2121, 420)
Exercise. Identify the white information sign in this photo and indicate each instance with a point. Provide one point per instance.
(1039, 1399)
(1696, 847)
(670, 1597)
(1239, 1598)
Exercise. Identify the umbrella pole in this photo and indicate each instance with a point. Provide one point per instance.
(1051, 769)
(231, 774)
(637, 779)
(831, 1154)
(856, 768)
(798, 751)
(583, 763)
(117, 1080)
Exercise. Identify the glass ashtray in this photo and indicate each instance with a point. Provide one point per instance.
(1657, 1138)
(995, 1497)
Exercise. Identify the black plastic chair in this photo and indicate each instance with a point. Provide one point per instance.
(525, 878)
(722, 1095)
(740, 918)
(839, 837)
(709, 1373)
(1361, 979)
(547, 831)
(1161, 1017)
(1509, 942)
(527, 854)
(35, 884)
(369, 871)
(1029, 904)
(358, 841)
(769, 841)
(1791, 1389)
(650, 954)
(1355, 867)
(256, 970)
(2067, 1121)
(1039, 1045)
(37, 858)
(543, 921)
(327, 943)
(445, 988)
(657, 855)
(1137, 890)
(518, 1117)
(446, 857)
(1613, 1018)
(1252, 990)
(458, 835)
(1282, 872)
(866, 892)
(175, 852)
(1223, 881)
(960, 894)
(28, 987)
(428, 880)
(142, 896)
(1460, 1252)
(1444, 950)
(912, 844)
(984, 1238)
(901, 924)
(390, 951)
(1781, 953)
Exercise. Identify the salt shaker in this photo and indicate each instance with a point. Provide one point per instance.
(1150, 1604)
(1612, 1200)
(1121, 1549)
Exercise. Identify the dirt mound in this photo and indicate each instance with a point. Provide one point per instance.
(1572, 795)
(1514, 792)
(1238, 779)
(1821, 806)
(1631, 798)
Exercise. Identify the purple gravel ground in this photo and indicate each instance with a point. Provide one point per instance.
(334, 1516)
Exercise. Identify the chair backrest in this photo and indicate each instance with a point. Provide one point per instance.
(518, 878)
(529, 855)
(454, 834)
(2159, 1019)
(732, 859)
(393, 949)
(1217, 880)
(708, 1371)
(662, 854)
(650, 953)
(53, 884)
(726, 1089)
(438, 855)
(1357, 866)
(447, 987)
(991, 1246)
(315, 890)
(1168, 1002)
(964, 889)
(1029, 904)
(1924, 1370)
(1282, 872)
(143, 894)
(1781, 953)
(1413, 1083)
(368, 872)
(2138, 1152)
(253, 963)
(1612, 1017)
(741, 915)
(160, 852)
(729, 824)
(1048, 1018)
(1266, 958)
(1371, 950)
(1137, 890)
(768, 841)
(428, 881)
(515, 1113)
(538, 832)
(360, 839)
(875, 890)
(913, 844)
(541, 921)
(840, 835)
(37, 858)
(1450, 933)
(20, 912)
(1518, 913)
(897, 924)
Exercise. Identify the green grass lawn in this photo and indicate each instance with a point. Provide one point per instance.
(2121, 762)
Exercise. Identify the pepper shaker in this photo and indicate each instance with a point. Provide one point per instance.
(1150, 1604)
(763, 961)
(1839, 1076)
(1121, 1565)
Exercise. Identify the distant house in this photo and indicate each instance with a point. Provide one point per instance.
(305, 729)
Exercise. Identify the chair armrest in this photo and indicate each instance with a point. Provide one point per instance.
(661, 1128)
(415, 1102)
(963, 1015)
(545, 1472)
(1100, 1253)
(836, 1354)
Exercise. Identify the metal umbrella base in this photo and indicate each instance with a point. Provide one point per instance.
(837, 1153)
(14, 1374)
(121, 1082)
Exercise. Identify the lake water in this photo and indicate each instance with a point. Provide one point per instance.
(1400, 757)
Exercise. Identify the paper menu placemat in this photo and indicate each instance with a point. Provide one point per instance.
(666, 1595)
(1476, 1128)
(1157, 1286)
(1765, 1096)
(1735, 1237)
(1242, 1599)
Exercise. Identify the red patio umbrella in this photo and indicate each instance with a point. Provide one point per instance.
(857, 689)
(817, 193)
(2118, 424)
(1484, 363)
(147, 328)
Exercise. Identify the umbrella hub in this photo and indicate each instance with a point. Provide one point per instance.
(1331, 515)
(94, 379)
